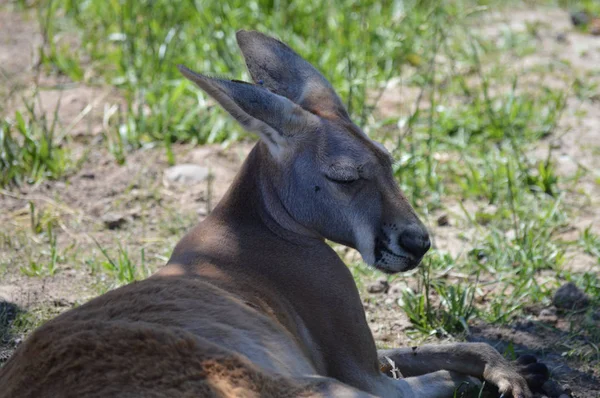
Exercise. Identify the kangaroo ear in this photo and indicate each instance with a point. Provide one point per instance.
(284, 72)
(275, 118)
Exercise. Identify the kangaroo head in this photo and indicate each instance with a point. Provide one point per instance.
(325, 173)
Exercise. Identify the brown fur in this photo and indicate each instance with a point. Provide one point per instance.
(130, 342)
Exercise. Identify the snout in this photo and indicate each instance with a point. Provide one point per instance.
(415, 241)
(399, 249)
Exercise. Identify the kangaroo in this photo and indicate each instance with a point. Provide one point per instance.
(253, 302)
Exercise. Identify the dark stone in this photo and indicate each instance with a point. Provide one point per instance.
(381, 286)
(579, 18)
(569, 297)
(443, 221)
(113, 220)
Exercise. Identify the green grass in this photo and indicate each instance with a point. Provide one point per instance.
(29, 151)
(37, 267)
(451, 313)
(140, 58)
(590, 243)
(121, 269)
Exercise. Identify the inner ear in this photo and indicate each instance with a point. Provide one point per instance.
(275, 118)
(283, 71)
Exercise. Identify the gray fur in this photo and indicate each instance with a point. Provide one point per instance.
(283, 71)
(325, 177)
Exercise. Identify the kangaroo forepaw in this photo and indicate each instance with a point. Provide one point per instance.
(519, 378)
(511, 384)
(508, 379)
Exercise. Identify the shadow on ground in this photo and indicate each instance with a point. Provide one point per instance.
(549, 345)
(8, 343)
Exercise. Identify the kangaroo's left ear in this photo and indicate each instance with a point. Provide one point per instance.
(280, 69)
(276, 119)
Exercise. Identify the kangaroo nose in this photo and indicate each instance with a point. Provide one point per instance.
(415, 240)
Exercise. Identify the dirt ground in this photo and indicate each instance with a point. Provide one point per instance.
(155, 211)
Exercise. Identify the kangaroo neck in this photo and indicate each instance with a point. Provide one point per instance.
(252, 197)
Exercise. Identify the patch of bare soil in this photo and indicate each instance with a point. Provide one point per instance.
(80, 108)
(19, 41)
(137, 191)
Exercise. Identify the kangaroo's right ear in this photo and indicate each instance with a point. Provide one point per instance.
(275, 118)
(280, 69)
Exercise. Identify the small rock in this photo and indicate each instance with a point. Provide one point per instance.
(562, 37)
(548, 315)
(187, 173)
(113, 220)
(381, 286)
(579, 18)
(443, 220)
(569, 297)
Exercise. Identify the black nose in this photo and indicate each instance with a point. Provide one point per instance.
(415, 240)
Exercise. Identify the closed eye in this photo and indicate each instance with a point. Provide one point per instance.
(344, 181)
